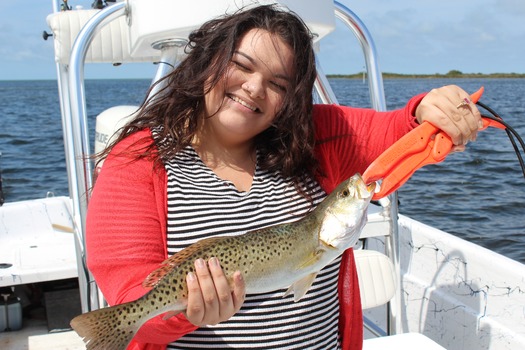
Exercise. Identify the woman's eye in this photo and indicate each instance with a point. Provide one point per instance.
(240, 65)
(279, 86)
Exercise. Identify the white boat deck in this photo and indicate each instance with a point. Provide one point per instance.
(37, 244)
(35, 336)
(36, 241)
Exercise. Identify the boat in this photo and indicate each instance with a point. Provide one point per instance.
(420, 286)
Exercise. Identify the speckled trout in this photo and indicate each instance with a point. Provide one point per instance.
(272, 258)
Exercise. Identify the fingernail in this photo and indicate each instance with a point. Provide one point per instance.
(480, 124)
(214, 262)
(191, 276)
(200, 263)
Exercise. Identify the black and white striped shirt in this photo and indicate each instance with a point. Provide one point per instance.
(201, 205)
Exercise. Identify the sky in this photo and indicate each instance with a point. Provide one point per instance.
(411, 36)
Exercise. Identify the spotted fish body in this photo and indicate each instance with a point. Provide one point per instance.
(272, 258)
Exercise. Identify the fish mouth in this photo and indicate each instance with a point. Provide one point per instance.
(365, 190)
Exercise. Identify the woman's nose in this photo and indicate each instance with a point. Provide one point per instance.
(254, 85)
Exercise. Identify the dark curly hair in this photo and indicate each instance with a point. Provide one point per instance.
(287, 145)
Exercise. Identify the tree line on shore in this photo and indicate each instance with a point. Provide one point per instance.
(451, 74)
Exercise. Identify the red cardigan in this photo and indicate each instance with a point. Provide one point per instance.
(126, 222)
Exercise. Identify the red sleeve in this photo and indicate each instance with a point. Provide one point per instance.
(348, 140)
(126, 233)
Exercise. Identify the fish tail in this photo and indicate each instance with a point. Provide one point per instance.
(108, 328)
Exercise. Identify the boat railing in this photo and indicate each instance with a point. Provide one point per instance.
(378, 102)
(76, 144)
(75, 125)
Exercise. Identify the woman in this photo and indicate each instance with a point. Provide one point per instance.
(230, 144)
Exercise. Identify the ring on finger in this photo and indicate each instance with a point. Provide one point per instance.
(464, 102)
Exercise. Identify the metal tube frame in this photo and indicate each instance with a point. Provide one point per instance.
(76, 138)
(378, 101)
(80, 168)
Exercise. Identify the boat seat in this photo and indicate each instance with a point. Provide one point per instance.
(110, 45)
(377, 285)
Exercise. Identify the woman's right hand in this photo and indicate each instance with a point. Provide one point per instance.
(211, 298)
(444, 108)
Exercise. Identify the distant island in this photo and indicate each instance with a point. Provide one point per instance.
(450, 74)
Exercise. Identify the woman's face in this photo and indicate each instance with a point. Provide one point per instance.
(251, 92)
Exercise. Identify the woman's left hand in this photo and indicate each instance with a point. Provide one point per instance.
(211, 297)
(444, 109)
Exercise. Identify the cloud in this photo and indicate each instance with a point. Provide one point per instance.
(510, 7)
(429, 36)
(21, 37)
(411, 36)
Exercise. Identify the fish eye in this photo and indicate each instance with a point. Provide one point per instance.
(345, 193)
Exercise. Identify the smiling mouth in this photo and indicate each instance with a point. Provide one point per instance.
(244, 103)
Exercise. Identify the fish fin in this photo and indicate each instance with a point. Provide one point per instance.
(155, 276)
(170, 314)
(176, 309)
(104, 328)
(169, 264)
(300, 287)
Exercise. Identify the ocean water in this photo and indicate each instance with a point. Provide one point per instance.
(478, 195)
